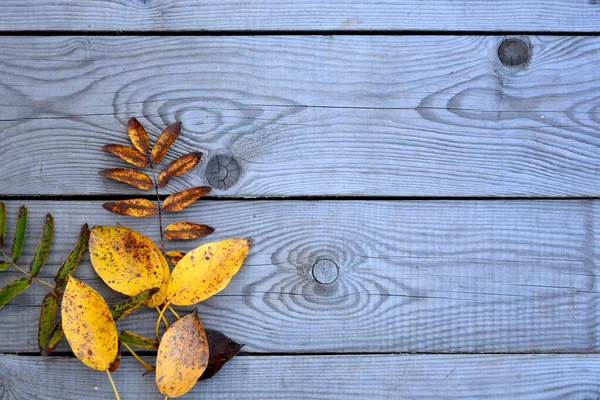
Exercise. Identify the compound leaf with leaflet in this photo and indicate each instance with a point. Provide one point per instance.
(73, 259)
(129, 176)
(179, 167)
(43, 247)
(13, 289)
(187, 231)
(19, 237)
(127, 154)
(47, 318)
(132, 207)
(164, 141)
(178, 201)
(138, 136)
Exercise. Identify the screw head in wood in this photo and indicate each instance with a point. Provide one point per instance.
(513, 52)
(325, 272)
(222, 171)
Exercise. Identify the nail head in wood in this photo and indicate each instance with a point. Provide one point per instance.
(513, 52)
(325, 272)
(222, 171)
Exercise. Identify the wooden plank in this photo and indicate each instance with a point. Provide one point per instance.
(414, 276)
(343, 115)
(533, 377)
(313, 15)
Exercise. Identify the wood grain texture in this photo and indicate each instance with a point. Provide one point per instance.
(306, 115)
(313, 15)
(414, 276)
(532, 377)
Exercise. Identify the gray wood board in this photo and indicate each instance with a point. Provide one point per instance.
(287, 15)
(414, 276)
(532, 377)
(307, 115)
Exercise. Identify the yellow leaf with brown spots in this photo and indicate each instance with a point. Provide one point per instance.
(130, 176)
(127, 154)
(187, 231)
(138, 135)
(179, 167)
(164, 141)
(132, 207)
(173, 257)
(128, 262)
(182, 356)
(180, 200)
(89, 326)
(206, 270)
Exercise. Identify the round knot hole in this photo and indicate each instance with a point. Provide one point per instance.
(222, 171)
(513, 52)
(325, 272)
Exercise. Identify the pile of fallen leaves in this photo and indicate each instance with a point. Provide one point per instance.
(131, 264)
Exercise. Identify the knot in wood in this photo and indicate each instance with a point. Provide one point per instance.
(325, 272)
(222, 171)
(513, 52)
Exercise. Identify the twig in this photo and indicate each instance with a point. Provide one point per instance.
(162, 239)
(29, 275)
(144, 364)
(174, 313)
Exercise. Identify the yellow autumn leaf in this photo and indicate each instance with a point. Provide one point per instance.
(89, 326)
(128, 262)
(182, 356)
(206, 270)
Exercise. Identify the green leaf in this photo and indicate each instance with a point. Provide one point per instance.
(47, 318)
(19, 238)
(55, 336)
(4, 265)
(128, 306)
(43, 248)
(13, 289)
(135, 340)
(2, 223)
(73, 258)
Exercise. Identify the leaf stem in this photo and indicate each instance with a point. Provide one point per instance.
(113, 384)
(162, 239)
(174, 313)
(144, 364)
(162, 312)
(163, 318)
(29, 275)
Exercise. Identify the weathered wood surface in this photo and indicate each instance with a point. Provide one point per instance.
(532, 377)
(307, 115)
(414, 276)
(313, 15)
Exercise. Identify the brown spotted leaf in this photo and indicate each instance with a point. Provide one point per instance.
(73, 259)
(182, 356)
(187, 231)
(173, 257)
(179, 167)
(164, 141)
(135, 340)
(115, 365)
(54, 339)
(128, 262)
(88, 325)
(180, 200)
(132, 208)
(221, 350)
(138, 135)
(130, 176)
(127, 154)
(206, 270)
